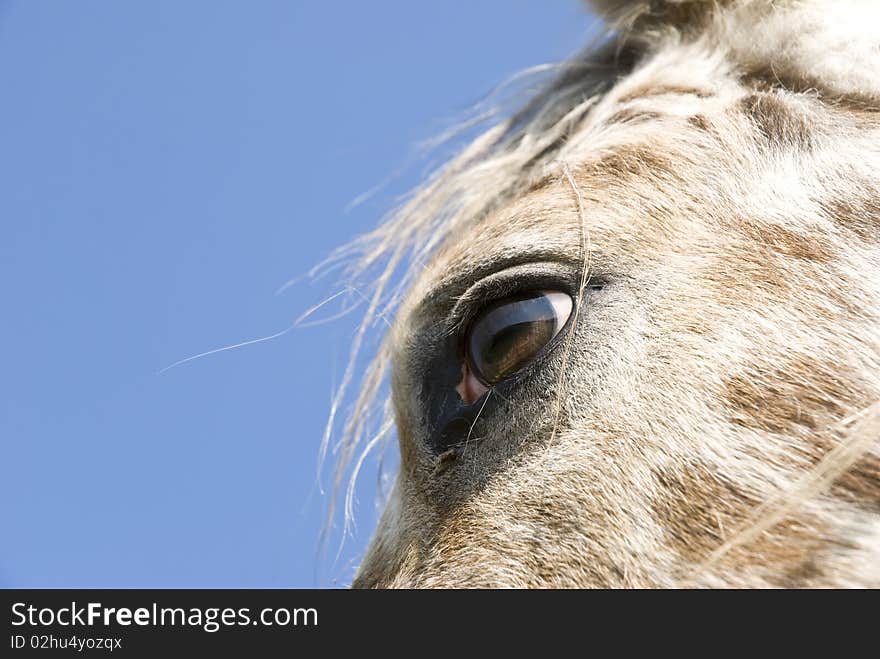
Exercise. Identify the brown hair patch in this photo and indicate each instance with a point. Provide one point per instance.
(856, 213)
(630, 115)
(778, 123)
(699, 510)
(781, 240)
(803, 395)
(649, 90)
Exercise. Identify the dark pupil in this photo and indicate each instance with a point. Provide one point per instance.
(509, 335)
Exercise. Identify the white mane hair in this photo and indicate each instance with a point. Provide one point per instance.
(826, 48)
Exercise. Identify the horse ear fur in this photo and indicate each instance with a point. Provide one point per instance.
(832, 46)
(667, 11)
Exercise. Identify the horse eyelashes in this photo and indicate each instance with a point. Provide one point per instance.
(511, 332)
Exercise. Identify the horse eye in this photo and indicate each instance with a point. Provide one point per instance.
(511, 332)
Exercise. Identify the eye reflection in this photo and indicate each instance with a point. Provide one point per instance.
(510, 333)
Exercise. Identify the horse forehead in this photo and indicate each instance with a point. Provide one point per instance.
(646, 160)
(547, 220)
(626, 184)
(655, 132)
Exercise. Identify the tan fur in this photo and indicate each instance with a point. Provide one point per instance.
(711, 418)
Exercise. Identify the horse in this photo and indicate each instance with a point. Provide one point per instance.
(637, 342)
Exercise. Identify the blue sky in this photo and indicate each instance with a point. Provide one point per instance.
(166, 167)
